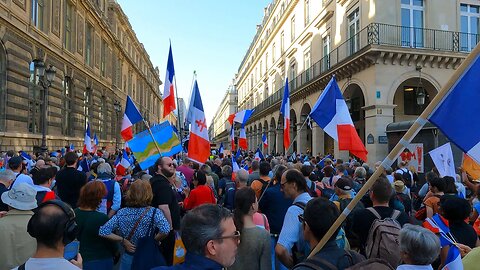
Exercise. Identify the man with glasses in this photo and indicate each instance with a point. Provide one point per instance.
(210, 237)
(164, 197)
(291, 247)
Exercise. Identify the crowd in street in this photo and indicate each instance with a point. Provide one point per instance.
(74, 211)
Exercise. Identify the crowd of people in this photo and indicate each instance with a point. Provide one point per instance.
(71, 211)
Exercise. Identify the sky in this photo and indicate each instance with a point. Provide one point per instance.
(210, 37)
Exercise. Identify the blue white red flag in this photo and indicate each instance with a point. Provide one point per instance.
(462, 100)
(72, 147)
(285, 111)
(123, 164)
(238, 154)
(264, 140)
(259, 155)
(221, 150)
(240, 117)
(25, 156)
(235, 166)
(131, 117)
(95, 143)
(332, 115)
(242, 140)
(454, 259)
(199, 144)
(232, 138)
(169, 86)
(87, 141)
(84, 165)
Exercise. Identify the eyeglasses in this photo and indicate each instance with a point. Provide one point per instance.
(301, 218)
(235, 235)
(169, 164)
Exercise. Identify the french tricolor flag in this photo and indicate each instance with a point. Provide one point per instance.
(264, 140)
(240, 117)
(131, 117)
(232, 138)
(454, 259)
(285, 111)
(221, 150)
(169, 86)
(332, 115)
(259, 155)
(199, 144)
(123, 164)
(87, 141)
(242, 140)
(95, 143)
(235, 166)
(455, 115)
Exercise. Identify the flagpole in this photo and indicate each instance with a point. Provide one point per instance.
(295, 138)
(178, 106)
(397, 150)
(153, 138)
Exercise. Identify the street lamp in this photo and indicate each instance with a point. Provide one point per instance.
(45, 79)
(118, 108)
(421, 94)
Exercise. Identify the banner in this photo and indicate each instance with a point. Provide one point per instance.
(413, 154)
(144, 148)
(443, 159)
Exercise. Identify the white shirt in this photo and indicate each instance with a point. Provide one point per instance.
(48, 264)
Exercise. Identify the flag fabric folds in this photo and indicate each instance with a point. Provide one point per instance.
(123, 164)
(453, 116)
(242, 140)
(331, 114)
(471, 167)
(240, 117)
(232, 138)
(169, 86)
(87, 141)
(221, 150)
(199, 144)
(264, 140)
(72, 147)
(131, 117)
(259, 155)
(443, 159)
(235, 166)
(84, 165)
(95, 143)
(454, 259)
(285, 111)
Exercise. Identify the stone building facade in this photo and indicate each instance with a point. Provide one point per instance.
(385, 54)
(98, 61)
(219, 130)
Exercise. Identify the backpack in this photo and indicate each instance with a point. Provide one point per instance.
(382, 240)
(229, 201)
(407, 177)
(376, 263)
(316, 263)
(264, 185)
(298, 253)
(312, 191)
(147, 253)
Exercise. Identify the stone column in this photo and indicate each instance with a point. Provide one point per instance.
(376, 120)
(301, 138)
(279, 145)
(318, 136)
(271, 141)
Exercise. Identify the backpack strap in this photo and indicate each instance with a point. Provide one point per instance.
(130, 235)
(21, 267)
(395, 214)
(317, 264)
(374, 212)
(301, 205)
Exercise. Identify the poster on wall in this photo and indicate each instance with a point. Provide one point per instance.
(413, 154)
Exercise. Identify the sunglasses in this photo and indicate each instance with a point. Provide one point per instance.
(169, 164)
(235, 235)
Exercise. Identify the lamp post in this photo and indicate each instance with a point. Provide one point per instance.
(421, 94)
(118, 108)
(45, 79)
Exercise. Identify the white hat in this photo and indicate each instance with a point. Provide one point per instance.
(22, 196)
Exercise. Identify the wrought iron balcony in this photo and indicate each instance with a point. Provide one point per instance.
(381, 35)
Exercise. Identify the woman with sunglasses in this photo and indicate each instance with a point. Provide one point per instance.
(201, 193)
(254, 249)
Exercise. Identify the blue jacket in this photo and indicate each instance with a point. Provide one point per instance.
(193, 262)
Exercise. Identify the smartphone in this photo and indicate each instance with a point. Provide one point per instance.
(71, 250)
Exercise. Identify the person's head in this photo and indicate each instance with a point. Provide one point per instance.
(450, 187)
(399, 186)
(241, 177)
(437, 185)
(21, 196)
(199, 178)
(40, 163)
(328, 171)
(187, 162)
(403, 164)
(454, 208)
(398, 177)
(208, 230)
(15, 164)
(245, 204)
(91, 195)
(53, 225)
(360, 172)
(255, 165)
(71, 158)
(164, 165)
(430, 175)
(381, 191)
(314, 228)
(279, 170)
(7, 177)
(265, 168)
(139, 194)
(206, 169)
(104, 170)
(340, 168)
(418, 246)
(306, 170)
(343, 186)
(293, 183)
(44, 176)
(227, 171)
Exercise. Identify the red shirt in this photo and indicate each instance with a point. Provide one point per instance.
(202, 194)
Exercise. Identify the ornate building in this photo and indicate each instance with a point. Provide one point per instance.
(390, 58)
(98, 61)
(220, 128)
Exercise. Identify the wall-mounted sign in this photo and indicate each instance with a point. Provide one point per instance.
(382, 139)
(370, 139)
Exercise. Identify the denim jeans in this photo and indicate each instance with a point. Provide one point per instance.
(276, 264)
(106, 264)
(126, 262)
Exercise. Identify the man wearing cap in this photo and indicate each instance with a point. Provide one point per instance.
(400, 190)
(16, 165)
(17, 244)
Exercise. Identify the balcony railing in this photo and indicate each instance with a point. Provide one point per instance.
(378, 34)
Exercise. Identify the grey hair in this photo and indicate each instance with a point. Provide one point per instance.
(201, 225)
(360, 172)
(104, 168)
(274, 162)
(227, 171)
(242, 176)
(7, 175)
(421, 245)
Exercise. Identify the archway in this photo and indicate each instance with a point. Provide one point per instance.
(355, 102)
(293, 132)
(272, 142)
(406, 96)
(258, 137)
(304, 141)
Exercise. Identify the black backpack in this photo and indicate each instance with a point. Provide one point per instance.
(322, 264)
(407, 178)
(264, 185)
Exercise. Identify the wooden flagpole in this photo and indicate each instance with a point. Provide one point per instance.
(296, 135)
(406, 139)
(153, 138)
